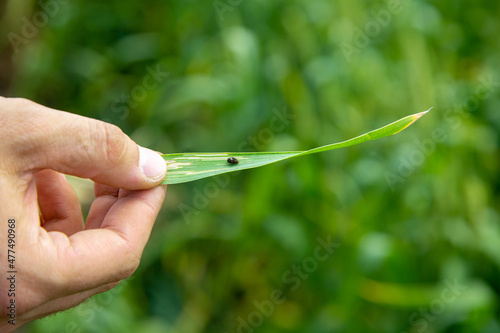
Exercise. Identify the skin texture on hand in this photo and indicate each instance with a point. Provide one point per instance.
(60, 260)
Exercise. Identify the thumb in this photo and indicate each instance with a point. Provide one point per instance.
(43, 138)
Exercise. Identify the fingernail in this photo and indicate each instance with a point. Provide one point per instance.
(151, 163)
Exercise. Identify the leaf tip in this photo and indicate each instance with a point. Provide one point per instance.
(418, 115)
(414, 118)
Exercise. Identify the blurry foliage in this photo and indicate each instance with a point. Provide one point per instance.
(399, 247)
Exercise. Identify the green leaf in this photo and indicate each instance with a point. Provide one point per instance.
(186, 167)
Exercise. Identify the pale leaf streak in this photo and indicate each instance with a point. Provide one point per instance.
(207, 155)
(176, 165)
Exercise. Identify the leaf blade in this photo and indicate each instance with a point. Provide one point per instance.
(186, 167)
(199, 165)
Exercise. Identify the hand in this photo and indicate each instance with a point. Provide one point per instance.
(59, 259)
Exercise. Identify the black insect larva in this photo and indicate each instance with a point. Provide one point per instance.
(232, 160)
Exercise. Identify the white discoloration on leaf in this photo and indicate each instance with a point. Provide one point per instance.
(176, 165)
(212, 154)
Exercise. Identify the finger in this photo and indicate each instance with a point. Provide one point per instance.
(105, 198)
(105, 190)
(142, 210)
(66, 302)
(115, 250)
(79, 146)
(58, 202)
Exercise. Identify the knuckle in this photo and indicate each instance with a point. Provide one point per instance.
(130, 261)
(20, 134)
(23, 106)
(12, 110)
(129, 268)
(113, 143)
(20, 101)
(108, 287)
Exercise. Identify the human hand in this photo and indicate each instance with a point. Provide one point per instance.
(59, 260)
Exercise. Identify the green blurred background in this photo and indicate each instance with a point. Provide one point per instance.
(415, 215)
